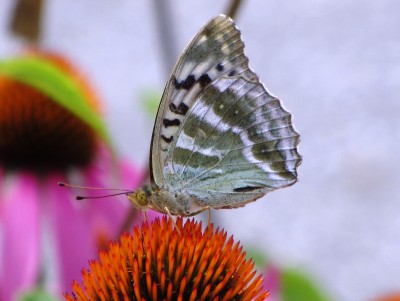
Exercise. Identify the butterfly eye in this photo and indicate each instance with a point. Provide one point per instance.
(138, 199)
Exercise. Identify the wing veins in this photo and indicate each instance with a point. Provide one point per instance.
(202, 144)
(259, 143)
(220, 120)
(238, 136)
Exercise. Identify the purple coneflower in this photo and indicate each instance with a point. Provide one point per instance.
(161, 261)
(41, 225)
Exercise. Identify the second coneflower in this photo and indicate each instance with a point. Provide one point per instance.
(39, 134)
(163, 262)
(50, 131)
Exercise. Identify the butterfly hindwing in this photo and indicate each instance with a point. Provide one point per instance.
(235, 145)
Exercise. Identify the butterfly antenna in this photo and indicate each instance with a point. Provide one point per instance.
(123, 191)
(79, 198)
(63, 184)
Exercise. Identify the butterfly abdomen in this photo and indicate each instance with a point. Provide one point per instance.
(168, 201)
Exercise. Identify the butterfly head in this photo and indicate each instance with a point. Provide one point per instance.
(139, 199)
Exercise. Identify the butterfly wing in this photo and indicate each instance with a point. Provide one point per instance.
(215, 51)
(219, 136)
(236, 144)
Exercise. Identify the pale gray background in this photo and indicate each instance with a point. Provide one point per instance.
(335, 65)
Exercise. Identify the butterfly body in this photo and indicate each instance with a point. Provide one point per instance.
(166, 201)
(220, 140)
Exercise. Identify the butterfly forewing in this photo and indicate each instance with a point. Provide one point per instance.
(219, 136)
(215, 51)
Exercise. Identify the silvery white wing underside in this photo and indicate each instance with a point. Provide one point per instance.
(219, 136)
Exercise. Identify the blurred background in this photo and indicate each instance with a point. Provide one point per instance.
(336, 67)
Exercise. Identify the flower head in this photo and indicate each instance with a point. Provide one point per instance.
(163, 262)
(42, 143)
(39, 134)
(389, 297)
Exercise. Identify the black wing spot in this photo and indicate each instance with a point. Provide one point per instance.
(219, 67)
(168, 140)
(232, 73)
(181, 109)
(174, 122)
(204, 80)
(188, 82)
(185, 84)
(207, 32)
(176, 84)
(246, 188)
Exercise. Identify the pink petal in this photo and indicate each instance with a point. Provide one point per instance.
(109, 213)
(272, 282)
(72, 234)
(81, 228)
(129, 176)
(120, 175)
(21, 236)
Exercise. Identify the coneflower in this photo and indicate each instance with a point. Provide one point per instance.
(389, 297)
(160, 261)
(39, 134)
(41, 143)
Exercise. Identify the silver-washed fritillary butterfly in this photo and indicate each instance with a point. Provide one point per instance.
(219, 139)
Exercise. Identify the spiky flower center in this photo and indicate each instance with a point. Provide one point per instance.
(39, 134)
(160, 262)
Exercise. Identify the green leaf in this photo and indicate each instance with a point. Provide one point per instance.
(259, 258)
(150, 100)
(295, 286)
(52, 81)
(37, 295)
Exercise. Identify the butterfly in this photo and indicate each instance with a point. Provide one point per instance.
(220, 140)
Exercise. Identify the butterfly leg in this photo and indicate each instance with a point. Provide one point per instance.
(209, 216)
(142, 216)
(173, 219)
